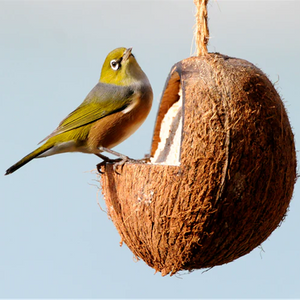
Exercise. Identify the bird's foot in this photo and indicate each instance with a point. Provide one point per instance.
(110, 161)
(119, 161)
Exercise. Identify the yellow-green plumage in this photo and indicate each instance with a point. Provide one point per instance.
(111, 112)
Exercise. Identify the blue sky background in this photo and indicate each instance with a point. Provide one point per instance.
(55, 241)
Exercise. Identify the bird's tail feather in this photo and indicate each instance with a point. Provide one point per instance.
(28, 158)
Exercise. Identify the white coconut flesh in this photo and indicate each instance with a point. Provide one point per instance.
(168, 150)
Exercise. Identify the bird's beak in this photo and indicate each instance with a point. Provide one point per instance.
(127, 53)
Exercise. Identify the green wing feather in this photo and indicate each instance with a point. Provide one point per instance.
(103, 100)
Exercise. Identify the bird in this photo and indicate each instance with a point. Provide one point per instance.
(112, 111)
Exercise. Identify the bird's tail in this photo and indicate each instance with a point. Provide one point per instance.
(28, 158)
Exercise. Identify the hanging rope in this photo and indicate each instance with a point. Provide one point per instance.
(201, 30)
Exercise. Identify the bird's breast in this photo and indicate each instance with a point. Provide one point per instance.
(114, 129)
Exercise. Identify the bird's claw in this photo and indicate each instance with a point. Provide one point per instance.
(119, 162)
(104, 162)
(122, 162)
(100, 165)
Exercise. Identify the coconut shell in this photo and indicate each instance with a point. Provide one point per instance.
(236, 174)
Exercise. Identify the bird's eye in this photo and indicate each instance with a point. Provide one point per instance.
(115, 65)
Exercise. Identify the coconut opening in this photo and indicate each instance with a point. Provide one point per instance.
(166, 143)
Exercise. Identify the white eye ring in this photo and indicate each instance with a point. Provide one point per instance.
(114, 64)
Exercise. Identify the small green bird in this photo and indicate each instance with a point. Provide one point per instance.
(113, 110)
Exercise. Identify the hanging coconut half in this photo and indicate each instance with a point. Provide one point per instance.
(221, 171)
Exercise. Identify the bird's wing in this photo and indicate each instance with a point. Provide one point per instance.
(103, 100)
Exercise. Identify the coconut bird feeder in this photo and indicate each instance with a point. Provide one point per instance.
(222, 166)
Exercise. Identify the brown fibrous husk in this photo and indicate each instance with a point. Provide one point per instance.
(236, 174)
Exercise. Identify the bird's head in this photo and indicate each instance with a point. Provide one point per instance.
(121, 68)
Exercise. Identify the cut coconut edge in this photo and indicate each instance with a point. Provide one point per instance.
(167, 136)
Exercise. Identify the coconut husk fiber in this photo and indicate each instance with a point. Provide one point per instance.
(235, 177)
